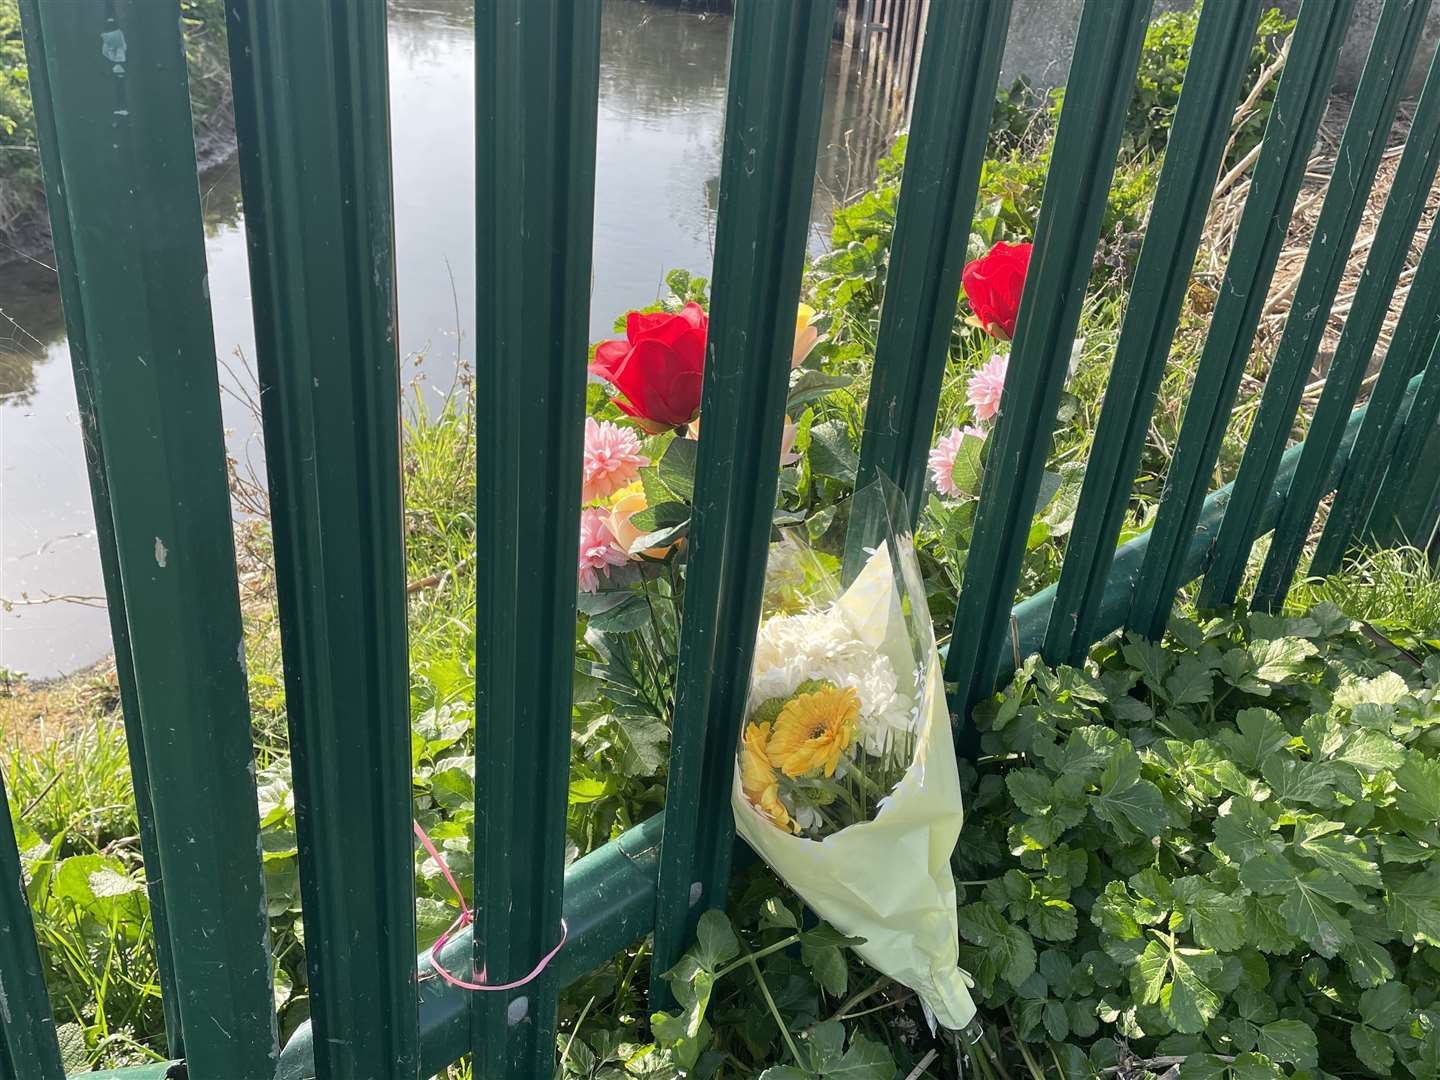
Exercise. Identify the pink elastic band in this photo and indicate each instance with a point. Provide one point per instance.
(465, 919)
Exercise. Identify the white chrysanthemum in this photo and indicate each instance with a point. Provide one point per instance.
(791, 649)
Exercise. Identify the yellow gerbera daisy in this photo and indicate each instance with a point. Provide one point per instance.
(757, 776)
(813, 730)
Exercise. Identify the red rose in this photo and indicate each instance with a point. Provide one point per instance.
(658, 367)
(993, 284)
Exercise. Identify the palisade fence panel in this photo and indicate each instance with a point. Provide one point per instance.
(113, 122)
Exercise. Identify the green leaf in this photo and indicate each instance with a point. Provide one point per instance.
(827, 963)
(1216, 920)
(1308, 903)
(811, 386)
(1191, 682)
(73, 1053)
(1386, 688)
(1244, 830)
(1253, 1066)
(1385, 1006)
(1178, 981)
(1370, 752)
(1373, 1049)
(715, 940)
(1150, 660)
(1281, 659)
(1204, 1067)
(1126, 801)
(1292, 780)
(776, 915)
(831, 453)
(1369, 962)
(1349, 856)
(1419, 783)
(968, 469)
(1412, 902)
(1008, 947)
(676, 469)
(1291, 1041)
(865, 1060)
(643, 741)
(1261, 734)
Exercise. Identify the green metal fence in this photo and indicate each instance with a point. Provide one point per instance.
(113, 115)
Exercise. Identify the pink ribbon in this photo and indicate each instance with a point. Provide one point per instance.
(465, 919)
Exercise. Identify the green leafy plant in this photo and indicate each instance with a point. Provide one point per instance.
(1218, 850)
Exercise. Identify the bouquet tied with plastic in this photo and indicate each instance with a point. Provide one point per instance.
(845, 779)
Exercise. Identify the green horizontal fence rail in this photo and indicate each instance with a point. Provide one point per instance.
(114, 127)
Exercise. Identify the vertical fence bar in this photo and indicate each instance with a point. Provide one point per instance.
(28, 1050)
(68, 280)
(954, 100)
(1418, 327)
(311, 115)
(1107, 50)
(1217, 62)
(1366, 132)
(124, 164)
(772, 125)
(1392, 518)
(1386, 260)
(1289, 133)
(537, 76)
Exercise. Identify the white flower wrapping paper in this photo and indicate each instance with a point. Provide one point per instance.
(887, 880)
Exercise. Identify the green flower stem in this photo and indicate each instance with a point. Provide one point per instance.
(749, 957)
(753, 960)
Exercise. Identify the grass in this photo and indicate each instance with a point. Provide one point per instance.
(1396, 588)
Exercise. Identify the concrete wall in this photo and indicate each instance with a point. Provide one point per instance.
(1042, 38)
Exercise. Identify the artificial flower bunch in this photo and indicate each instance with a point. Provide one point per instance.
(828, 732)
(992, 285)
(657, 371)
(845, 780)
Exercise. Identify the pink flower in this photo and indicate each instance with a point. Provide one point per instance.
(597, 549)
(787, 444)
(984, 389)
(612, 459)
(942, 458)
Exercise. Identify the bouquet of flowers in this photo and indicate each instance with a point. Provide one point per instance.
(845, 779)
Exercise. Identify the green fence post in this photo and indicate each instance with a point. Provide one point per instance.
(537, 73)
(1366, 133)
(1417, 328)
(1399, 505)
(772, 128)
(28, 1050)
(311, 115)
(1404, 204)
(123, 160)
(1289, 135)
(954, 100)
(1107, 50)
(68, 279)
(1201, 129)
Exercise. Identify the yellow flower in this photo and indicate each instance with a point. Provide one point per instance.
(628, 502)
(757, 776)
(806, 335)
(813, 730)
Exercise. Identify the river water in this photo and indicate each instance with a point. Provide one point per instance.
(662, 95)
